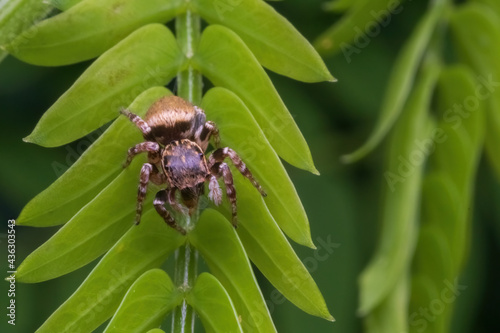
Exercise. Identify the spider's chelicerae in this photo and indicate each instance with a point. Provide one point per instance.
(177, 136)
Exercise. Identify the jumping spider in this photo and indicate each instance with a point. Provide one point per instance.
(177, 136)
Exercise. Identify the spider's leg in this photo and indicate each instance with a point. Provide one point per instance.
(143, 188)
(222, 170)
(152, 147)
(141, 124)
(173, 202)
(159, 203)
(210, 130)
(220, 154)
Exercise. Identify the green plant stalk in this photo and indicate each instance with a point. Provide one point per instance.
(189, 87)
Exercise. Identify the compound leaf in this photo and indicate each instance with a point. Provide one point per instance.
(91, 232)
(140, 249)
(401, 197)
(146, 303)
(88, 29)
(400, 81)
(240, 131)
(273, 40)
(148, 57)
(270, 251)
(226, 61)
(97, 166)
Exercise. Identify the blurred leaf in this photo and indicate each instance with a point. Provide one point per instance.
(87, 30)
(226, 61)
(476, 32)
(148, 57)
(364, 13)
(212, 304)
(140, 249)
(270, 251)
(90, 233)
(156, 330)
(493, 4)
(391, 316)
(343, 5)
(400, 82)
(401, 196)
(146, 303)
(240, 131)
(273, 40)
(448, 189)
(93, 171)
(64, 4)
(217, 242)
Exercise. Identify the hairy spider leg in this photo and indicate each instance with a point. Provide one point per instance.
(213, 131)
(152, 147)
(159, 203)
(141, 124)
(219, 155)
(222, 170)
(146, 170)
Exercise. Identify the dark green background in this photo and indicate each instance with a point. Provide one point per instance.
(342, 204)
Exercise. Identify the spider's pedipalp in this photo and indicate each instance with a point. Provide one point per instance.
(143, 188)
(148, 146)
(172, 201)
(219, 155)
(159, 203)
(214, 191)
(138, 121)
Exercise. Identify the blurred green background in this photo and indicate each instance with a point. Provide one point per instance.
(343, 204)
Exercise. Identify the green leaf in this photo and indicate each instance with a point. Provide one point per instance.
(355, 24)
(400, 82)
(140, 249)
(226, 61)
(93, 171)
(475, 29)
(271, 252)
(148, 57)
(448, 188)
(217, 242)
(156, 330)
(212, 304)
(273, 40)
(392, 314)
(240, 131)
(64, 4)
(493, 4)
(17, 16)
(146, 303)
(401, 197)
(91, 232)
(88, 29)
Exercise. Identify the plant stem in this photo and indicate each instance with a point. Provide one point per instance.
(189, 87)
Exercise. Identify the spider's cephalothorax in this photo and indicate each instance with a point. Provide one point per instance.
(177, 136)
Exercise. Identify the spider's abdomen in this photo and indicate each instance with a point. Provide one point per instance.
(184, 164)
(172, 118)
